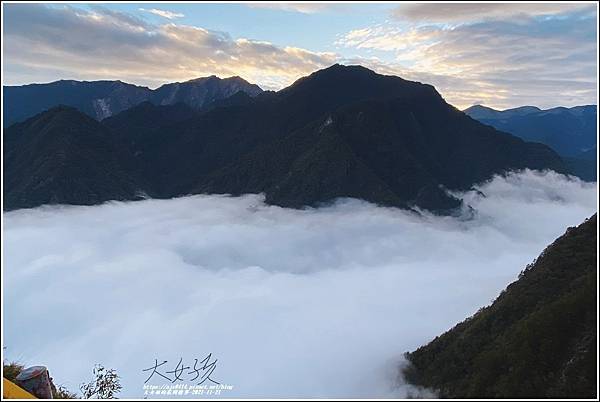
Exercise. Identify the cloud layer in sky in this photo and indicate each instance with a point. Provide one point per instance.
(502, 55)
(101, 43)
(163, 13)
(304, 8)
(503, 63)
(472, 11)
(298, 303)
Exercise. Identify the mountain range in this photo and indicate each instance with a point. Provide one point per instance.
(344, 131)
(537, 340)
(571, 132)
(101, 99)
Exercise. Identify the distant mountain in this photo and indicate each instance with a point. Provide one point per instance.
(202, 91)
(98, 99)
(481, 112)
(537, 340)
(571, 132)
(101, 99)
(344, 131)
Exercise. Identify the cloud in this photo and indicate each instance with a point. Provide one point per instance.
(297, 303)
(472, 11)
(542, 55)
(104, 44)
(505, 63)
(163, 13)
(304, 8)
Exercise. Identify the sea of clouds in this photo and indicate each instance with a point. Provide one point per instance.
(298, 303)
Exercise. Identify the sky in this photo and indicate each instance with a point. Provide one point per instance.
(297, 303)
(500, 55)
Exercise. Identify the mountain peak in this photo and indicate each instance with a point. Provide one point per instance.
(62, 112)
(338, 69)
(104, 98)
(485, 112)
(63, 121)
(214, 78)
(65, 157)
(479, 106)
(199, 80)
(354, 82)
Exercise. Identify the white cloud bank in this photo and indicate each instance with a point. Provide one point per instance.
(298, 303)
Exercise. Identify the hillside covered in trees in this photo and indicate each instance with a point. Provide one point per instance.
(537, 340)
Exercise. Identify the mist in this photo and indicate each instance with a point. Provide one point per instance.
(292, 303)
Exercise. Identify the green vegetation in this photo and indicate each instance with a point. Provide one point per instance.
(537, 340)
(11, 370)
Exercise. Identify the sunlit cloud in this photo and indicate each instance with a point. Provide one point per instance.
(502, 55)
(163, 13)
(472, 11)
(501, 62)
(455, 90)
(103, 44)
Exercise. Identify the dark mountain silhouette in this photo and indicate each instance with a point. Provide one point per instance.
(64, 156)
(101, 99)
(571, 132)
(340, 132)
(537, 340)
(147, 116)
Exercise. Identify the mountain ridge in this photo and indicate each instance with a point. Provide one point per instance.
(344, 131)
(105, 98)
(481, 111)
(569, 131)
